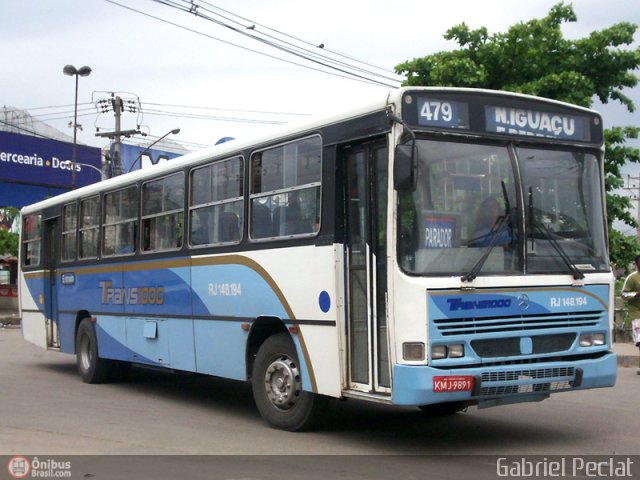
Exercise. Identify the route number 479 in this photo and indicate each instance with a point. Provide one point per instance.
(434, 111)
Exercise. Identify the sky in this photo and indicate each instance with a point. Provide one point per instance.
(157, 64)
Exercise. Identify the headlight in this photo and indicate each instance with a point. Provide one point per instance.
(586, 340)
(456, 351)
(447, 351)
(592, 339)
(438, 351)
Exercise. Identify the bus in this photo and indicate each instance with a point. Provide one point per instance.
(439, 248)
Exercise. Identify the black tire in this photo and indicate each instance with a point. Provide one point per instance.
(91, 367)
(444, 409)
(277, 387)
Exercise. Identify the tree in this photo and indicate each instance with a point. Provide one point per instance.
(8, 243)
(8, 240)
(534, 58)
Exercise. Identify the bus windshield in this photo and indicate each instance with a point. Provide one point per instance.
(466, 207)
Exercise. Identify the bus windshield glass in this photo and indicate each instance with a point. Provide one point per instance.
(465, 207)
(562, 192)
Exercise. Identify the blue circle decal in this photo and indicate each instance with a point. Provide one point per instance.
(325, 301)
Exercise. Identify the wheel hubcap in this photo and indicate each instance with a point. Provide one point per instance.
(85, 352)
(282, 382)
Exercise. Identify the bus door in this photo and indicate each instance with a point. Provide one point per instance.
(50, 251)
(365, 233)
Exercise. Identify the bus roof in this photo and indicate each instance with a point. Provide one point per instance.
(392, 97)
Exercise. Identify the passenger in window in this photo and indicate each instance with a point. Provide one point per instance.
(200, 235)
(488, 223)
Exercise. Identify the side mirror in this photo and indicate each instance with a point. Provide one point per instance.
(405, 167)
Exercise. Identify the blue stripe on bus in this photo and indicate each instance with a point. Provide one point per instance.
(214, 347)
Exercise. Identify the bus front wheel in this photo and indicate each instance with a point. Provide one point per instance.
(91, 367)
(277, 387)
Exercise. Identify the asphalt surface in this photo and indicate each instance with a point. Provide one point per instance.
(151, 421)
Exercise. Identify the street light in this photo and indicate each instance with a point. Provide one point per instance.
(81, 72)
(175, 131)
(68, 163)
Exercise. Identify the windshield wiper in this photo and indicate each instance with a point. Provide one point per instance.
(546, 234)
(496, 233)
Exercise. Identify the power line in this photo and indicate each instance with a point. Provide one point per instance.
(314, 53)
(228, 109)
(253, 22)
(52, 107)
(113, 2)
(195, 116)
(68, 116)
(189, 8)
(184, 143)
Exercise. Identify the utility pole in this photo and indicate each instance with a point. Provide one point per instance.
(117, 134)
(117, 108)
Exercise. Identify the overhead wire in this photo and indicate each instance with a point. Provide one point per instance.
(308, 67)
(52, 106)
(164, 113)
(315, 53)
(323, 46)
(284, 48)
(228, 109)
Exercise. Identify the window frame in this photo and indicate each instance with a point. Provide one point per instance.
(64, 233)
(104, 224)
(192, 208)
(94, 226)
(164, 213)
(26, 241)
(270, 193)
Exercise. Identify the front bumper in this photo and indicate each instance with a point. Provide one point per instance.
(504, 384)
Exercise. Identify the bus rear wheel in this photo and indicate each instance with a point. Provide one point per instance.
(277, 387)
(91, 367)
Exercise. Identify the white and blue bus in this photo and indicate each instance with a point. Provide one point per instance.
(440, 248)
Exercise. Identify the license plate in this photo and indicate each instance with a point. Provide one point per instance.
(459, 383)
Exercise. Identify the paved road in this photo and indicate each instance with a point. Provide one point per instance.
(46, 409)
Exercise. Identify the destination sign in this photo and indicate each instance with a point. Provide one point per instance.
(499, 114)
(517, 121)
(435, 112)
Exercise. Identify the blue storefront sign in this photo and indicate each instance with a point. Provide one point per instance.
(40, 161)
(34, 168)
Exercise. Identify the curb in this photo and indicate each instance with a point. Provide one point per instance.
(628, 361)
(9, 320)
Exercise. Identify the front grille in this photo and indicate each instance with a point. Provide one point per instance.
(532, 388)
(533, 373)
(517, 323)
(540, 380)
(508, 347)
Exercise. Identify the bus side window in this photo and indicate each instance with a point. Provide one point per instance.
(32, 235)
(162, 213)
(285, 189)
(216, 207)
(120, 222)
(89, 227)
